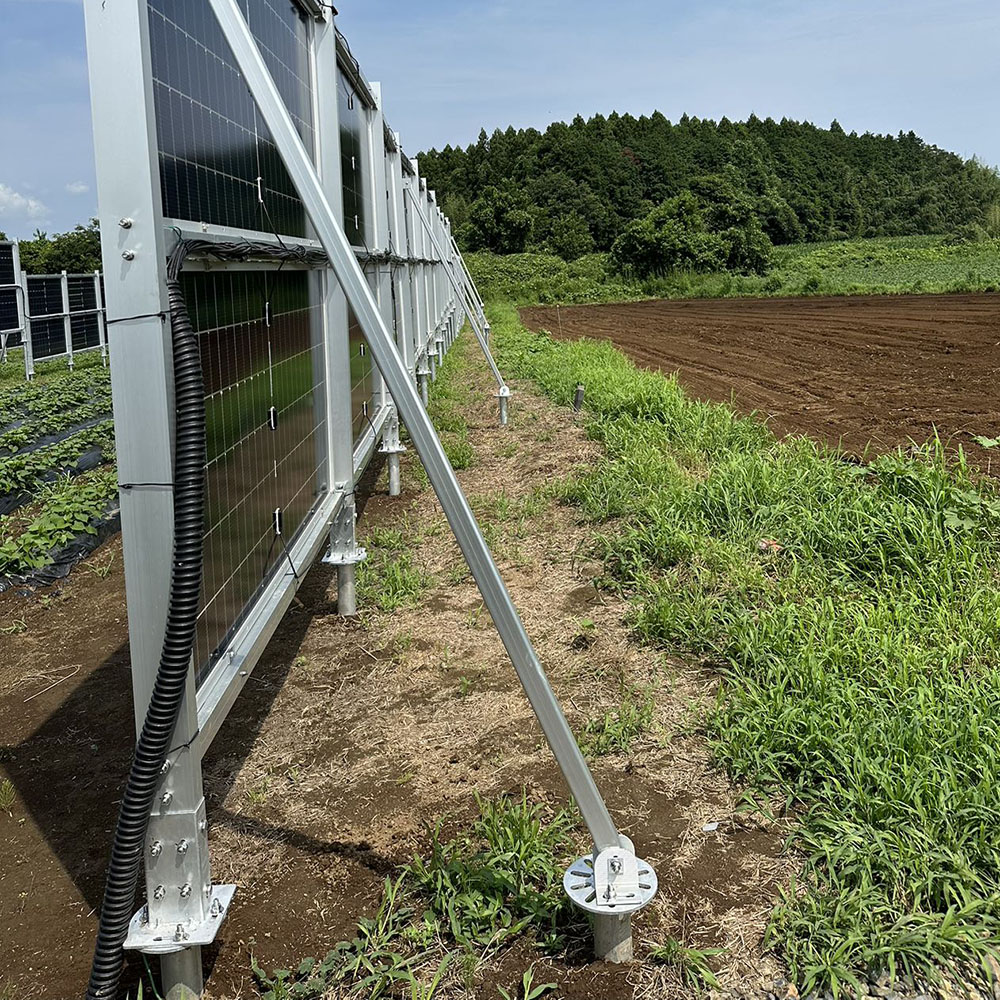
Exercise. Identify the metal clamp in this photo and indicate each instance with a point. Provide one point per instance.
(612, 883)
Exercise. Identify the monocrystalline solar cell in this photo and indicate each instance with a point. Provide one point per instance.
(213, 143)
(265, 421)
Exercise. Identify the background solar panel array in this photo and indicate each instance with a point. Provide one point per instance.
(8, 296)
(47, 317)
(213, 143)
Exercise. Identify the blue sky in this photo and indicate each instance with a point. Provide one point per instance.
(449, 68)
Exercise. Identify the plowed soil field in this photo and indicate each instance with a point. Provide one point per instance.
(884, 370)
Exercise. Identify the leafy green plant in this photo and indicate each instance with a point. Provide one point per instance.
(528, 991)
(373, 963)
(617, 730)
(390, 579)
(8, 795)
(691, 964)
(487, 886)
(67, 508)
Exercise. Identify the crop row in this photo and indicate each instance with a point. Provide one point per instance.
(65, 509)
(20, 472)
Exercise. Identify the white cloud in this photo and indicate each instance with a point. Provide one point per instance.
(77, 187)
(15, 205)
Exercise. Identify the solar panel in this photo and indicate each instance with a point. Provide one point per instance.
(8, 312)
(7, 272)
(264, 383)
(352, 130)
(213, 144)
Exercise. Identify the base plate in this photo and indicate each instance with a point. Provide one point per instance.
(579, 885)
(165, 939)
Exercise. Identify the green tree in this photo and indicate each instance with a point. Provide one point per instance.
(570, 236)
(498, 221)
(78, 251)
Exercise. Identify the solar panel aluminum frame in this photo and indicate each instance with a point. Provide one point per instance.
(402, 291)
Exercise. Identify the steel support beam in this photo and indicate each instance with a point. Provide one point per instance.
(314, 197)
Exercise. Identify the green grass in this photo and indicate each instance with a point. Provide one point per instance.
(691, 964)
(852, 267)
(616, 731)
(390, 579)
(448, 393)
(474, 893)
(858, 653)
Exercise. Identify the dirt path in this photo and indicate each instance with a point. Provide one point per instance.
(884, 369)
(353, 736)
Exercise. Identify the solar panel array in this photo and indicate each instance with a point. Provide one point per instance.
(260, 330)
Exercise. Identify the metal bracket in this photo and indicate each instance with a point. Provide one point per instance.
(164, 939)
(612, 883)
(344, 548)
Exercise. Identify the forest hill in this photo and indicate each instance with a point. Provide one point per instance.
(575, 188)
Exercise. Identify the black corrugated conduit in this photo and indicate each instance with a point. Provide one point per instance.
(154, 742)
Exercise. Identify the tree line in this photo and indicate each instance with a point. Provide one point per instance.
(699, 193)
(77, 252)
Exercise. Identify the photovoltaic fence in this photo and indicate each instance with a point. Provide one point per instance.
(64, 317)
(295, 411)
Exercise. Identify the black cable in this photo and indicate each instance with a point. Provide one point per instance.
(154, 741)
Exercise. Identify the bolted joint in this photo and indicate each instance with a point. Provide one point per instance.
(344, 549)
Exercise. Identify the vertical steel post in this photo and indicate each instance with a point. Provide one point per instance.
(67, 322)
(379, 273)
(400, 240)
(378, 175)
(102, 333)
(178, 884)
(29, 354)
(20, 294)
(344, 552)
(412, 304)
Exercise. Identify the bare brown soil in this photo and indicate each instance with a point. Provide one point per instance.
(353, 736)
(878, 369)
